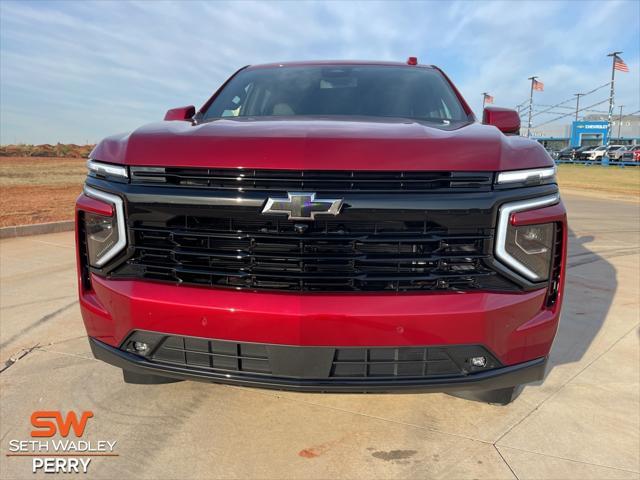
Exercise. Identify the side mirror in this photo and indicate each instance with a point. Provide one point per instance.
(181, 113)
(505, 119)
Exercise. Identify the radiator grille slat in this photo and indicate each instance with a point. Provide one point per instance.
(251, 251)
(314, 180)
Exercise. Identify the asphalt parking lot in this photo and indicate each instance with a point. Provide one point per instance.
(582, 422)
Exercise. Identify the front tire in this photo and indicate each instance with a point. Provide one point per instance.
(146, 379)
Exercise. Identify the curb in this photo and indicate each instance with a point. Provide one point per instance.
(37, 229)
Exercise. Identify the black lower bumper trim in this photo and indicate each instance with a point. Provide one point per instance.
(498, 378)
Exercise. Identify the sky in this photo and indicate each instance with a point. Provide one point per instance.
(75, 72)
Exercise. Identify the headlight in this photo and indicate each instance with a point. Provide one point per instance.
(106, 235)
(531, 176)
(102, 235)
(531, 246)
(527, 249)
(106, 170)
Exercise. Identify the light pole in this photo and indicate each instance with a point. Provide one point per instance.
(613, 56)
(533, 79)
(578, 95)
(620, 122)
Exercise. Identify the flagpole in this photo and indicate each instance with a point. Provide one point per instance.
(484, 99)
(613, 56)
(533, 79)
(620, 123)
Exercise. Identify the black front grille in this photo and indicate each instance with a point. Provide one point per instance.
(334, 363)
(394, 362)
(243, 249)
(212, 354)
(313, 180)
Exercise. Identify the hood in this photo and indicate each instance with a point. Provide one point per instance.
(322, 144)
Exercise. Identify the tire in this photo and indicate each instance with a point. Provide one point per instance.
(502, 396)
(146, 379)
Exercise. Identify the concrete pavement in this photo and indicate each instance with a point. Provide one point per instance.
(582, 422)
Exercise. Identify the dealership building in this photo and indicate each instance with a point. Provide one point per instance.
(592, 130)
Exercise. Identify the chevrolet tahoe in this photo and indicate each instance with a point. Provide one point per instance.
(325, 226)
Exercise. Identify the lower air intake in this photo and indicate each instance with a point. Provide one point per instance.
(309, 362)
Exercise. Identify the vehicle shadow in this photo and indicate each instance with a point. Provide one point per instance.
(589, 292)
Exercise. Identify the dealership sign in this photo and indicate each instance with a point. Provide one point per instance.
(586, 130)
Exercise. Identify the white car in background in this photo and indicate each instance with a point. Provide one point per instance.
(618, 153)
(593, 152)
(598, 153)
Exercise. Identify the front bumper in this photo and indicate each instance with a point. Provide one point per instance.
(494, 379)
(514, 327)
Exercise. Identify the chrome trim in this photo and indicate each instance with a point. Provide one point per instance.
(107, 169)
(122, 231)
(503, 224)
(526, 175)
(333, 209)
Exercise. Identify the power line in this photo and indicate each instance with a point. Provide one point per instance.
(571, 113)
(597, 88)
(570, 100)
(545, 105)
(559, 113)
(552, 107)
(573, 110)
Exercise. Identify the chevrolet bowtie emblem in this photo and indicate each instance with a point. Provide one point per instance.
(302, 206)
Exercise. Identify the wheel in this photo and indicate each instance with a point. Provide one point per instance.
(146, 379)
(502, 396)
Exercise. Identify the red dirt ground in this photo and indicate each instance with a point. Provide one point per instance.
(39, 190)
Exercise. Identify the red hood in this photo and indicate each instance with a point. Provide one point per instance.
(322, 144)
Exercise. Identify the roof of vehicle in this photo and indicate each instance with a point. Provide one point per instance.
(334, 62)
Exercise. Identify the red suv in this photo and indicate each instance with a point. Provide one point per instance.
(325, 226)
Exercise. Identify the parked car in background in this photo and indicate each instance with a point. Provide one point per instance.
(591, 152)
(631, 154)
(598, 154)
(580, 152)
(566, 153)
(617, 153)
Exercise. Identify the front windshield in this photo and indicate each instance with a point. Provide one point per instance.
(368, 90)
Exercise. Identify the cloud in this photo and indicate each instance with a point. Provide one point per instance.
(78, 71)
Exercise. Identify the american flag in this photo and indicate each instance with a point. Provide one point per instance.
(488, 99)
(618, 64)
(539, 86)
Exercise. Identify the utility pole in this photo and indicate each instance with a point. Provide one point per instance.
(620, 122)
(578, 95)
(613, 56)
(533, 79)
